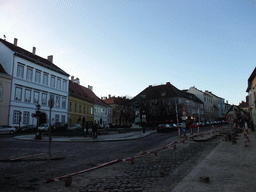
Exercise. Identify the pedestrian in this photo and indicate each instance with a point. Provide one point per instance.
(94, 130)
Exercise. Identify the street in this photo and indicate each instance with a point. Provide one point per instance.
(79, 156)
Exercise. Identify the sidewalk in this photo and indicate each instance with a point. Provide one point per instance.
(100, 138)
(230, 167)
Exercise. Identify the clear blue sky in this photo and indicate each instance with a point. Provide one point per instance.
(120, 47)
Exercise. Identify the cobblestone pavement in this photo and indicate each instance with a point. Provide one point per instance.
(151, 173)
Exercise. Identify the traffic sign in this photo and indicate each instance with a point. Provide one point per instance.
(230, 118)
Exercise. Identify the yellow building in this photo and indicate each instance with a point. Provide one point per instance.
(5, 83)
(80, 104)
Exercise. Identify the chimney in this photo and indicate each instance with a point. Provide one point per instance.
(77, 81)
(50, 58)
(90, 87)
(34, 50)
(167, 83)
(72, 79)
(109, 96)
(15, 41)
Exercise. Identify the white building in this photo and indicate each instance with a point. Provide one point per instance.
(208, 102)
(34, 81)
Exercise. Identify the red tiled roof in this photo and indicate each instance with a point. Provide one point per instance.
(116, 100)
(84, 93)
(30, 56)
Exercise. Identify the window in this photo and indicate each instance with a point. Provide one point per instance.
(1, 93)
(52, 81)
(58, 101)
(37, 76)
(27, 95)
(64, 85)
(70, 106)
(63, 118)
(44, 98)
(80, 108)
(64, 102)
(20, 71)
(91, 111)
(29, 74)
(36, 97)
(75, 107)
(58, 83)
(18, 92)
(26, 117)
(16, 117)
(57, 118)
(84, 109)
(45, 79)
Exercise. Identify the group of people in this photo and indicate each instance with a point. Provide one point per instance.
(94, 128)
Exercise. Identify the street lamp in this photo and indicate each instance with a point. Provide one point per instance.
(38, 133)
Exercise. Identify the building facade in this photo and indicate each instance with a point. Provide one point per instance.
(167, 104)
(251, 90)
(5, 85)
(120, 110)
(34, 81)
(81, 105)
(207, 99)
(219, 106)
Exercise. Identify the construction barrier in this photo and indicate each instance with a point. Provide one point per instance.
(68, 178)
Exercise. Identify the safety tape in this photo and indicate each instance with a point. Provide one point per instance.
(131, 159)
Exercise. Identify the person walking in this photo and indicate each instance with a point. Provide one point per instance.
(94, 131)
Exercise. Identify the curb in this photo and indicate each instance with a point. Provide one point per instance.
(69, 139)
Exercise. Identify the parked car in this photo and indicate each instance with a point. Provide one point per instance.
(44, 127)
(166, 128)
(59, 127)
(107, 125)
(75, 127)
(6, 129)
(28, 129)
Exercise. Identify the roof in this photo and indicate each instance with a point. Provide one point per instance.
(165, 91)
(252, 76)
(34, 58)
(116, 100)
(243, 105)
(2, 70)
(84, 93)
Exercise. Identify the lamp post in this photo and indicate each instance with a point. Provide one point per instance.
(19, 119)
(38, 133)
(37, 112)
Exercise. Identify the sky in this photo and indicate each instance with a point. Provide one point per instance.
(120, 47)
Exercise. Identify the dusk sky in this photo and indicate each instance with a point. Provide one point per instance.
(120, 47)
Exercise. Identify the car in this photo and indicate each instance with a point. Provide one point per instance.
(6, 129)
(165, 128)
(107, 125)
(75, 127)
(59, 127)
(28, 129)
(44, 127)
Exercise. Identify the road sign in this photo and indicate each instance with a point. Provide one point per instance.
(230, 118)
